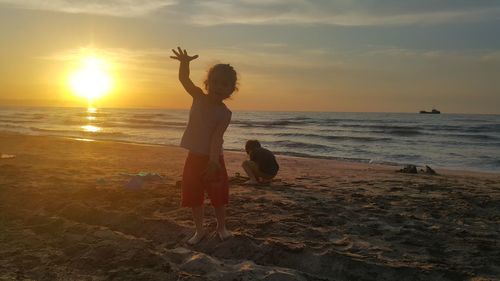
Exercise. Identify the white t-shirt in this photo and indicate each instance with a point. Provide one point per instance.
(204, 117)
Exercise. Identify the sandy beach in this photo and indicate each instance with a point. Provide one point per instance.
(100, 210)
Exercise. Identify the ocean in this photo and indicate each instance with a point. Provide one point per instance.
(453, 141)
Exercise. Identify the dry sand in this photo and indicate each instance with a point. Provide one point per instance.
(66, 213)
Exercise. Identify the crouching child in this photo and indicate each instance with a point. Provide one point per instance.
(262, 167)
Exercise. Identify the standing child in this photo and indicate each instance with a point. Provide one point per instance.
(262, 166)
(204, 169)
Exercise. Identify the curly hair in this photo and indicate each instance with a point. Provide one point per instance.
(225, 69)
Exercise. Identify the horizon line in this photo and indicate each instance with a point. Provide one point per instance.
(240, 110)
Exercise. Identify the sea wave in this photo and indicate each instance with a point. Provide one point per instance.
(483, 128)
(404, 132)
(77, 133)
(130, 123)
(301, 119)
(397, 130)
(154, 122)
(264, 124)
(333, 137)
(15, 121)
(94, 114)
(474, 136)
(147, 126)
(322, 156)
(150, 115)
(301, 145)
(23, 116)
(10, 126)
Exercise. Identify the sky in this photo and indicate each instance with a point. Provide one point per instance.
(290, 55)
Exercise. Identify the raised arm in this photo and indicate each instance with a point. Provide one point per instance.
(184, 59)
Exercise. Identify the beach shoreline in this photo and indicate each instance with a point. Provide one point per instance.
(68, 211)
(365, 162)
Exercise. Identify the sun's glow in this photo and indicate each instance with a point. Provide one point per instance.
(91, 80)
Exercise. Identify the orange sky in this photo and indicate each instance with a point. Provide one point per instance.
(359, 59)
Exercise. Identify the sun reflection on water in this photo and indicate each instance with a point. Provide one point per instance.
(91, 118)
(91, 128)
(81, 139)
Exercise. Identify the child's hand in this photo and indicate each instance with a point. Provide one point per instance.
(182, 56)
(210, 172)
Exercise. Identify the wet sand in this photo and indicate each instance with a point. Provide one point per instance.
(77, 210)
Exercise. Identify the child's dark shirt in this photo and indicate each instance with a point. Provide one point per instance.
(265, 160)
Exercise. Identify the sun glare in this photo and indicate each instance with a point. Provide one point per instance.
(91, 81)
(90, 128)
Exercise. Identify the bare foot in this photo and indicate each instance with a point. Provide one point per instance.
(266, 181)
(224, 234)
(197, 237)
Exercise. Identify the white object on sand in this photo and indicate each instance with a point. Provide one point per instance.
(138, 180)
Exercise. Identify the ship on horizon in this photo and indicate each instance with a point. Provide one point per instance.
(433, 111)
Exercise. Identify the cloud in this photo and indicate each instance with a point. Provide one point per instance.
(121, 8)
(281, 12)
(340, 12)
(479, 56)
(493, 56)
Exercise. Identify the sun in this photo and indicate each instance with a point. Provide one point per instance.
(91, 80)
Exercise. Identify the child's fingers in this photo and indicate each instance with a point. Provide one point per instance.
(180, 50)
(177, 54)
(194, 57)
(175, 58)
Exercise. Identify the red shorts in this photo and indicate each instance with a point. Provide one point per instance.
(194, 186)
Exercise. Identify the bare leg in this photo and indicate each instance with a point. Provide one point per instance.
(198, 221)
(249, 168)
(220, 215)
